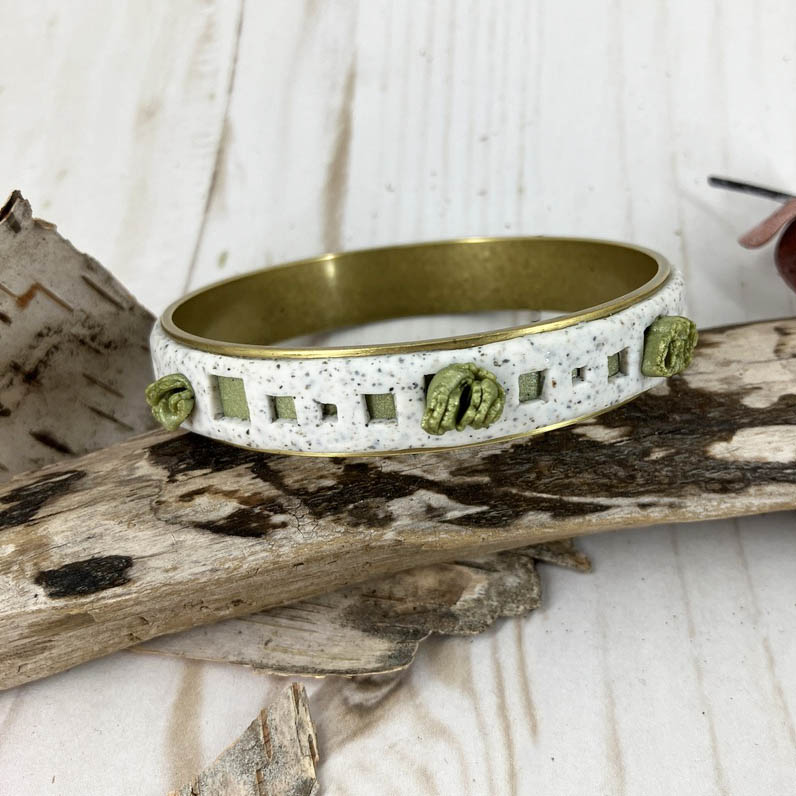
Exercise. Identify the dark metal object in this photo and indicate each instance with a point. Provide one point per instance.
(746, 187)
(783, 219)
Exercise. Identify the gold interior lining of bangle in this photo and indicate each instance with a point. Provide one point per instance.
(248, 315)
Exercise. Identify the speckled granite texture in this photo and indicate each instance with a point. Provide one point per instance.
(346, 381)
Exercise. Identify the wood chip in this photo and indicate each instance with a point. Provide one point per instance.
(377, 626)
(276, 755)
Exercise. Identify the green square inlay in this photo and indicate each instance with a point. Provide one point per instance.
(232, 395)
(329, 410)
(613, 365)
(285, 407)
(578, 374)
(381, 406)
(531, 385)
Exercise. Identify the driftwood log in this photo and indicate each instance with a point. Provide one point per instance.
(276, 755)
(377, 626)
(165, 532)
(73, 345)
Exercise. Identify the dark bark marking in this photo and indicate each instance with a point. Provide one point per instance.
(100, 291)
(108, 416)
(189, 454)
(5, 318)
(682, 425)
(46, 438)
(97, 383)
(44, 346)
(254, 518)
(85, 577)
(28, 375)
(246, 522)
(24, 502)
(363, 492)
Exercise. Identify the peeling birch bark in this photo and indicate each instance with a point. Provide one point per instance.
(377, 626)
(74, 355)
(276, 754)
(166, 532)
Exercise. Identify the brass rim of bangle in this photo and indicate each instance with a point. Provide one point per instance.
(255, 351)
(520, 435)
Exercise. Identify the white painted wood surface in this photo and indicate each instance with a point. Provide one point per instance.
(182, 142)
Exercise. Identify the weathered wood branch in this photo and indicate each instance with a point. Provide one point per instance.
(276, 754)
(377, 626)
(73, 348)
(165, 532)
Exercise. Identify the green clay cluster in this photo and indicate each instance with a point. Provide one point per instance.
(669, 346)
(462, 395)
(171, 400)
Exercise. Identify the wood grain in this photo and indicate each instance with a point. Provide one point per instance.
(127, 107)
(166, 532)
(384, 122)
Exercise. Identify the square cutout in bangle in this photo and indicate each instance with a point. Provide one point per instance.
(531, 385)
(380, 406)
(329, 412)
(232, 397)
(283, 407)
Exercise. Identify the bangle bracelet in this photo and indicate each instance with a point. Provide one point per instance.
(222, 373)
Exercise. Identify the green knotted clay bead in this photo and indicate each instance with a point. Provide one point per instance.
(171, 400)
(668, 346)
(462, 395)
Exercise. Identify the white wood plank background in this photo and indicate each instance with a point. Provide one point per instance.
(181, 142)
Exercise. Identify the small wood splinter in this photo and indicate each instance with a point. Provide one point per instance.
(276, 754)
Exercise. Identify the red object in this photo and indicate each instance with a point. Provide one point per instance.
(785, 255)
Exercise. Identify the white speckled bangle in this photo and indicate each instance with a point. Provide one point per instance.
(235, 385)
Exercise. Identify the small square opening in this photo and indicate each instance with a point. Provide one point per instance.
(380, 406)
(530, 385)
(284, 407)
(617, 364)
(578, 375)
(232, 397)
(329, 412)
